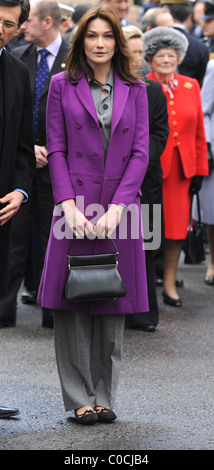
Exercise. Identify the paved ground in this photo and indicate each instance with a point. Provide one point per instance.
(165, 397)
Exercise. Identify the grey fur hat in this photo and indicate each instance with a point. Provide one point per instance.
(162, 37)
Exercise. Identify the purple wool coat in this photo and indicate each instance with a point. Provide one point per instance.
(76, 162)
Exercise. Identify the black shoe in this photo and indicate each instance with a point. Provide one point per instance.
(105, 415)
(29, 297)
(149, 328)
(6, 322)
(170, 301)
(209, 280)
(178, 282)
(88, 417)
(8, 412)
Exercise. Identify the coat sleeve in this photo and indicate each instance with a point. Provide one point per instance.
(25, 164)
(57, 145)
(207, 96)
(135, 171)
(158, 124)
(201, 147)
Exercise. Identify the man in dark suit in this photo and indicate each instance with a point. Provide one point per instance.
(17, 160)
(197, 55)
(41, 32)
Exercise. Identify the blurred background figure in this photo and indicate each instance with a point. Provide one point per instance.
(152, 184)
(184, 160)
(197, 56)
(156, 17)
(122, 9)
(207, 190)
(73, 20)
(196, 26)
(208, 27)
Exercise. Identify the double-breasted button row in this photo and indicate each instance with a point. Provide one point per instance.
(78, 125)
(174, 123)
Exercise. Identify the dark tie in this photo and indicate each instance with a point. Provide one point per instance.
(41, 77)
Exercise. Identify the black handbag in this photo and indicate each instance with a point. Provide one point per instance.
(194, 243)
(93, 277)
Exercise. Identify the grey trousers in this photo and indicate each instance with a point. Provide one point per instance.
(88, 354)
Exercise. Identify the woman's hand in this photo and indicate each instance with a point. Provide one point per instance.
(77, 222)
(108, 223)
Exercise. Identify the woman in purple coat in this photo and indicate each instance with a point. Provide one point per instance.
(97, 134)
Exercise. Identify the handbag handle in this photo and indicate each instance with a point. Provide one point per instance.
(116, 250)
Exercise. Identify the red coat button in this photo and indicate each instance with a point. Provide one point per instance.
(78, 125)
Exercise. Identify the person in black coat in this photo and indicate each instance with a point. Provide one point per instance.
(17, 160)
(197, 55)
(40, 207)
(152, 184)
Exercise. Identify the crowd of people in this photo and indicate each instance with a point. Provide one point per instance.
(112, 103)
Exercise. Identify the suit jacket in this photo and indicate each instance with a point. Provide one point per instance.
(17, 162)
(186, 127)
(196, 58)
(28, 54)
(76, 161)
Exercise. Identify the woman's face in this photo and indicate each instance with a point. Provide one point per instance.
(164, 62)
(136, 47)
(99, 43)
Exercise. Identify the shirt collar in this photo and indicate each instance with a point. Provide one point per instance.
(53, 48)
(110, 79)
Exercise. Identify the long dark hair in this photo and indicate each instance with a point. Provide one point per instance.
(76, 63)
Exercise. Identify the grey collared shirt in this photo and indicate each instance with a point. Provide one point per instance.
(103, 106)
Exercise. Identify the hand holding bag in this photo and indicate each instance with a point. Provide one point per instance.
(194, 246)
(93, 277)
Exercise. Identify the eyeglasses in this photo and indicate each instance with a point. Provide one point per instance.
(9, 25)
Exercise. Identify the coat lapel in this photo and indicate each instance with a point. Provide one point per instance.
(58, 65)
(9, 78)
(84, 94)
(30, 59)
(121, 91)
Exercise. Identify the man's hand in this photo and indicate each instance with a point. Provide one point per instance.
(41, 156)
(12, 203)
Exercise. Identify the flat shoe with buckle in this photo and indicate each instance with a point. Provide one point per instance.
(170, 301)
(105, 415)
(88, 417)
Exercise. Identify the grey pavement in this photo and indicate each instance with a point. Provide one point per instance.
(166, 389)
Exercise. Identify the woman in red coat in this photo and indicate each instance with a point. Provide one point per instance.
(184, 160)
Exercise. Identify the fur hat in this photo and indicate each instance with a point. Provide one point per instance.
(162, 37)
